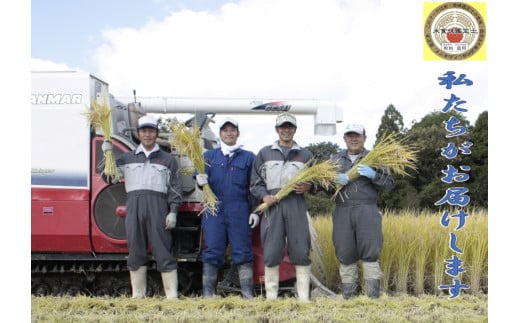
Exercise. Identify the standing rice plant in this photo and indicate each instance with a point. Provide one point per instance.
(188, 142)
(405, 250)
(390, 244)
(321, 174)
(439, 237)
(416, 239)
(414, 249)
(100, 116)
(474, 242)
(328, 274)
(422, 224)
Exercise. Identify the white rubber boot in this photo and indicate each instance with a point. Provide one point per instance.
(303, 283)
(138, 281)
(170, 284)
(271, 282)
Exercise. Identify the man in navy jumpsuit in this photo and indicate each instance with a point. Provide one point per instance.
(357, 231)
(286, 219)
(154, 193)
(228, 173)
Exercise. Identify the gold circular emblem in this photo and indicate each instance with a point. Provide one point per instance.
(454, 31)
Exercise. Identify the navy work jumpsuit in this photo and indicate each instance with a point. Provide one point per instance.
(229, 179)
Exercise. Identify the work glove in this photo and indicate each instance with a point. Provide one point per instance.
(366, 171)
(202, 179)
(171, 220)
(106, 145)
(253, 220)
(341, 179)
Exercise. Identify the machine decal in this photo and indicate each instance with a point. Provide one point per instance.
(274, 106)
(56, 98)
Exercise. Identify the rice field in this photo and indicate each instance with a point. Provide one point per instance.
(416, 246)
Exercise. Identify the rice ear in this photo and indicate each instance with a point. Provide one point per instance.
(187, 141)
(391, 153)
(100, 116)
(321, 174)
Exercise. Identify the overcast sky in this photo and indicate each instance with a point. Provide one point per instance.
(360, 55)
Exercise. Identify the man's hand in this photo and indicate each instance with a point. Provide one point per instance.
(301, 188)
(366, 171)
(253, 220)
(171, 220)
(202, 179)
(341, 179)
(106, 145)
(269, 199)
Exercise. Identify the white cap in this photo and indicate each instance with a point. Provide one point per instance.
(354, 127)
(285, 117)
(227, 120)
(147, 121)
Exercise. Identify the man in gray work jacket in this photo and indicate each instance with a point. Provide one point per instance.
(357, 231)
(286, 219)
(154, 193)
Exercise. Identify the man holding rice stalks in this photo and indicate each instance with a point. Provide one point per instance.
(154, 193)
(357, 222)
(228, 172)
(285, 219)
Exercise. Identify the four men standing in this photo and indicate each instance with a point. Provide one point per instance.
(237, 177)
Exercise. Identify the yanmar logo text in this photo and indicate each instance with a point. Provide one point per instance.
(274, 106)
(62, 98)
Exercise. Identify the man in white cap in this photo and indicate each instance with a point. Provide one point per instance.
(286, 219)
(154, 193)
(228, 173)
(357, 231)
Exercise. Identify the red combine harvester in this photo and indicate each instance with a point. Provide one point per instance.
(78, 240)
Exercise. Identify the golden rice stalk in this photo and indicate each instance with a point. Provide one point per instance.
(321, 174)
(390, 153)
(187, 141)
(100, 116)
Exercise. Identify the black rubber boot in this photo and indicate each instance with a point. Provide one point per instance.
(231, 282)
(348, 290)
(372, 288)
(209, 280)
(245, 273)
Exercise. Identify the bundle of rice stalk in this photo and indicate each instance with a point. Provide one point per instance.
(321, 174)
(187, 141)
(391, 153)
(100, 116)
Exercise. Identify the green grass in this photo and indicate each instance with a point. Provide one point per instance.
(467, 308)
